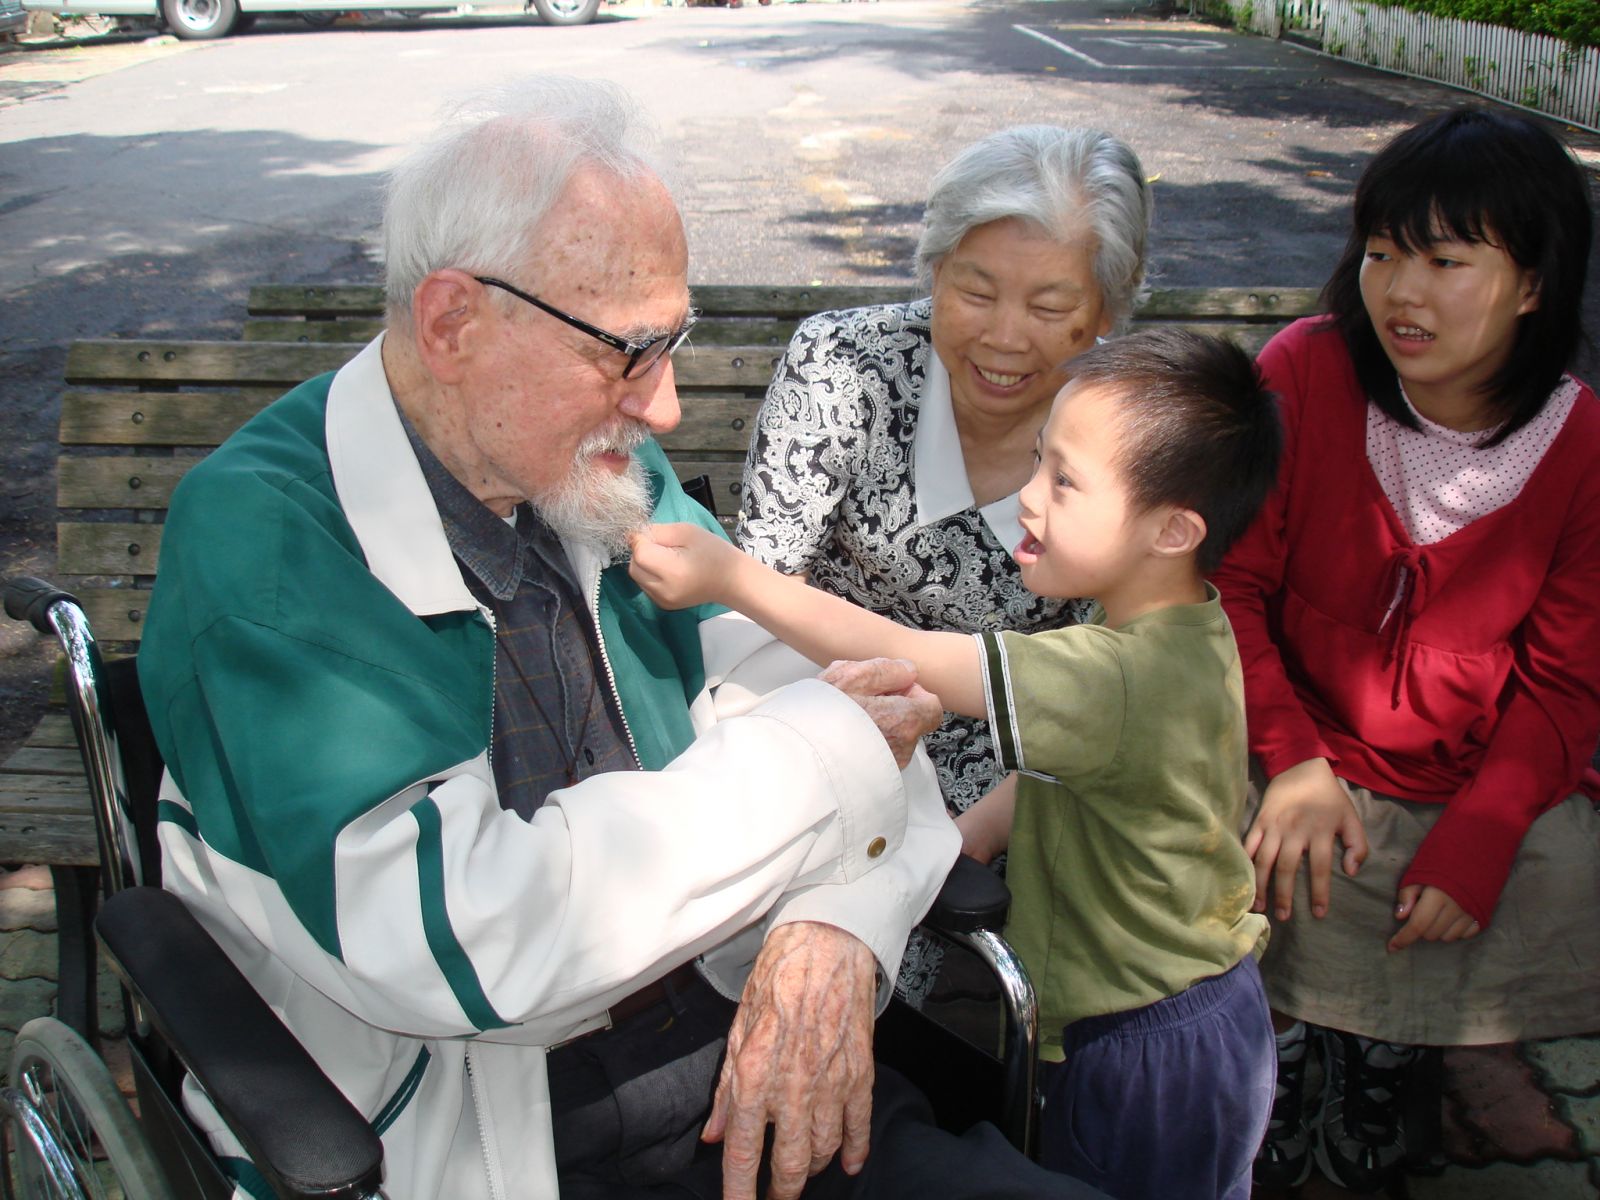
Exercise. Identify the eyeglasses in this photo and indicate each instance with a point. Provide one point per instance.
(642, 356)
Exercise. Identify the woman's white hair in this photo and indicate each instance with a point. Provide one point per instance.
(472, 197)
(1054, 179)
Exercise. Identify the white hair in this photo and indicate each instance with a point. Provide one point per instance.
(1054, 179)
(473, 196)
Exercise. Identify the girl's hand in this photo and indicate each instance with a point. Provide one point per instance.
(1432, 916)
(1303, 811)
(679, 566)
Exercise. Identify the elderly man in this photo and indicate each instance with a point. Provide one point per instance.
(452, 792)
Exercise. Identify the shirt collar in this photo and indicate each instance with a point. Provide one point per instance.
(495, 549)
(939, 472)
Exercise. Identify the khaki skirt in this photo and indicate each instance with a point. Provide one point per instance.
(1533, 973)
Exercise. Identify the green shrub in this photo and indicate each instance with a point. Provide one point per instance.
(1575, 21)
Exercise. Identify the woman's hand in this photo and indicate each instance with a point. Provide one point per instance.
(679, 566)
(1303, 810)
(1430, 915)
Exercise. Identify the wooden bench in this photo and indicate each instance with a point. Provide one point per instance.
(137, 414)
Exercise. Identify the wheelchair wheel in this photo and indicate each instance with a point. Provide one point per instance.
(93, 1138)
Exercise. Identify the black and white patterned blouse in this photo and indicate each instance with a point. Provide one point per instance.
(855, 477)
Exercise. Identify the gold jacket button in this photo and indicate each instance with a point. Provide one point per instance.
(876, 847)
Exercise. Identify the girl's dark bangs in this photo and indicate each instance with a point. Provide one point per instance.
(1428, 207)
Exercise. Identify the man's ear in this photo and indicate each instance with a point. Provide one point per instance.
(1181, 532)
(445, 308)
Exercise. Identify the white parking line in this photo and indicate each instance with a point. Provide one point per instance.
(1165, 43)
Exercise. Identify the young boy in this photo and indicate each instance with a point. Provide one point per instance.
(1131, 891)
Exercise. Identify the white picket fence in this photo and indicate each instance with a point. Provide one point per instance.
(1531, 70)
(1537, 72)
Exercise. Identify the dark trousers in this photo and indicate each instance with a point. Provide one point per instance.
(1167, 1100)
(628, 1106)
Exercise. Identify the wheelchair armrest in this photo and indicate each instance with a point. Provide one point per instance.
(972, 898)
(29, 599)
(297, 1128)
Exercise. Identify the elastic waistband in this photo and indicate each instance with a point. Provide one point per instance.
(1198, 1000)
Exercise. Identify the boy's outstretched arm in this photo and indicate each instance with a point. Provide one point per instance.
(986, 826)
(682, 565)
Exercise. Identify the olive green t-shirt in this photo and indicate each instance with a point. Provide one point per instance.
(1128, 878)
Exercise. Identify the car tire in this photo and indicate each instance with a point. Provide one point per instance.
(567, 12)
(200, 20)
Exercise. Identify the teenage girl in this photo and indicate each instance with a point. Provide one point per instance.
(1418, 614)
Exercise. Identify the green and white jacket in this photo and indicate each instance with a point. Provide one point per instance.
(320, 681)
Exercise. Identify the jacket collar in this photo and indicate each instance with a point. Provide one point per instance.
(940, 471)
(383, 493)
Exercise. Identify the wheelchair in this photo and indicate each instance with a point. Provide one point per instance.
(66, 1133)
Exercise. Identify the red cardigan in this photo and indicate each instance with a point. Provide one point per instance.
(1482, 691)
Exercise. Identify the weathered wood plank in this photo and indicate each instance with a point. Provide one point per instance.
(118, 481)
(53, 729)
(278, 299)
(115, 614)
(795, 301)
(293, 329)
(56, 793)
(712, 423)
(112, 548)
(158, 418)
(138, 360)
(46, 760)
(60, 839)
(40, 794)
(288, 363)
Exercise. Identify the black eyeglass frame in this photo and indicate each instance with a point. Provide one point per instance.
(668, 343)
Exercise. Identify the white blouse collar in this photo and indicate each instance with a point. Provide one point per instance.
(939, 473)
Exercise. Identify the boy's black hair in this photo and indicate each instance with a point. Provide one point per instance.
(1474, 175)
(1198, 427)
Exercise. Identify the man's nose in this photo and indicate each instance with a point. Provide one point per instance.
(653, 398)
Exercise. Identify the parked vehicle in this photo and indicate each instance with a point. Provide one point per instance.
(202, 20)
(12, 16)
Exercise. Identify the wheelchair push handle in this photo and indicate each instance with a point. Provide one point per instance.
(30, 599)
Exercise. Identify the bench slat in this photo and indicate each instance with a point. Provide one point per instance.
(158, 418)
(346, 300)
(42, 793)
(111, 611)
(53, 729)
(118, 482)
(338, 299)
(106, 360)
(46, 760)
(111, 548)
(60, 839)
(711, 331)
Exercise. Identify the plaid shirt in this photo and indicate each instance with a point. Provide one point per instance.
(555, 720)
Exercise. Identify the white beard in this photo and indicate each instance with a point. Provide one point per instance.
(592, 505)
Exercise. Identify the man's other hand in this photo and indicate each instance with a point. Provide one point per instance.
(887, 689)
(799, 1059)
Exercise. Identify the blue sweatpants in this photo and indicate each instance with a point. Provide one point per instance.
(1169, 1100)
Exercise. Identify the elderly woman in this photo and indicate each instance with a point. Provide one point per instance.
(893, 441)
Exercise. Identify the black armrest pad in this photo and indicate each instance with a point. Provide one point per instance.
(298, 1129)
(973, 897)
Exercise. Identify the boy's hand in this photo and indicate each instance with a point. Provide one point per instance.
(1430, 915)
(679, 566)
(1303, 811)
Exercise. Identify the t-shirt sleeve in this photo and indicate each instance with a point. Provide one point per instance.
(1056, 700)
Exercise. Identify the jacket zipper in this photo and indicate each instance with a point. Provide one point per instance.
(491, 1172)
(611, 678)
(494, 681)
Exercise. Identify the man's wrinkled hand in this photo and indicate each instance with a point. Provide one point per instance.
(799, 1059)
(887, 690)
